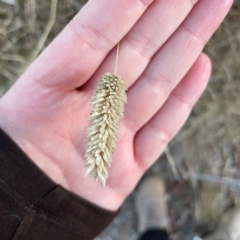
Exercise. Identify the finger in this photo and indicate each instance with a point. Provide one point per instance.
(172, 62)
(152, 30)
(151, 140)
(81, 47)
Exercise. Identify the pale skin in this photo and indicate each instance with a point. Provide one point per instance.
(46, 111)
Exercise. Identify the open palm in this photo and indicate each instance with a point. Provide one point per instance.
(46, 111)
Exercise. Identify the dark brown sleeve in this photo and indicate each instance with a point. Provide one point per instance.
(33, 207)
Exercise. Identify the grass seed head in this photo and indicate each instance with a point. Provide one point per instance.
(107, 103)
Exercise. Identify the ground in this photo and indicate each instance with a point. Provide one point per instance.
(201, 166)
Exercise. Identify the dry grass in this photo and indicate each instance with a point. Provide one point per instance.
(207, 148)
(26, 27)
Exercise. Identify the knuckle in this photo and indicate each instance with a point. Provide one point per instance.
(163, 136)
(183, 100)
(90, 36)
(142, 45)
(161, 84)
(195, 34)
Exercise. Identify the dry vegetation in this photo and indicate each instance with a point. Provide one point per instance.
(204, 168)
(26, 26)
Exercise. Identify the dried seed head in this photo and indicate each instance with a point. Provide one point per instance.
(107, 109)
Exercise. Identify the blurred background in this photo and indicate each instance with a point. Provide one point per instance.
(201, 166)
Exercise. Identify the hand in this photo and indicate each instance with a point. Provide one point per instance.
(46, 111)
